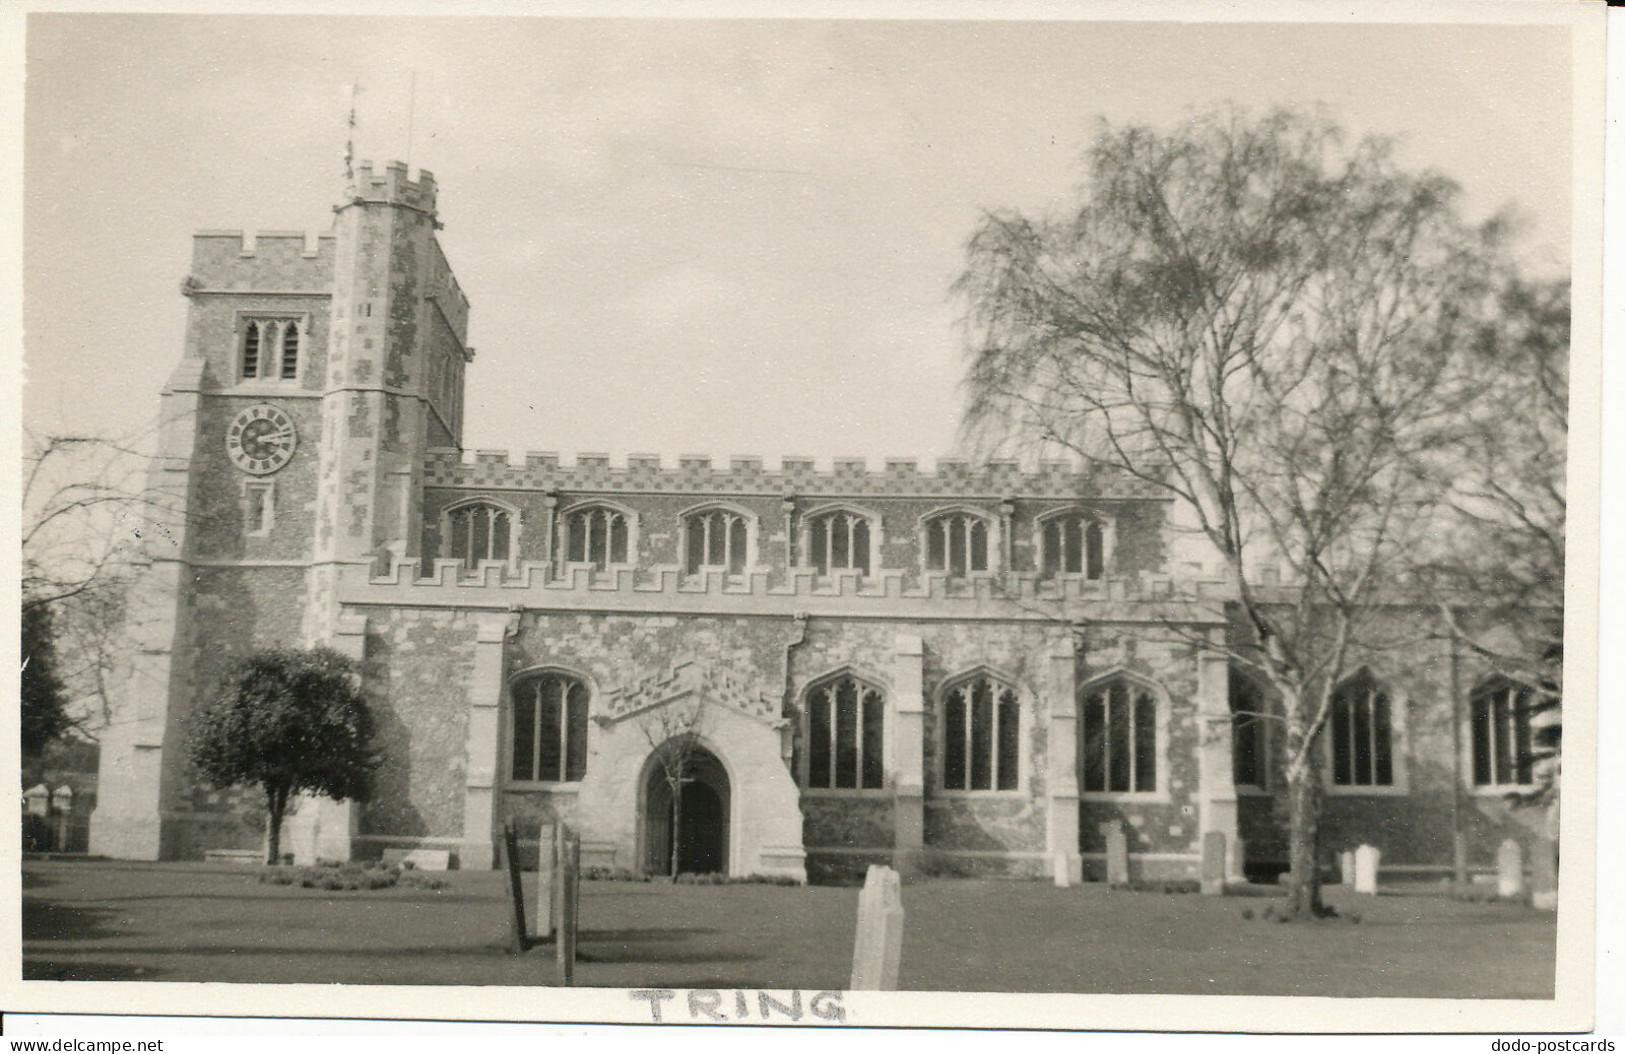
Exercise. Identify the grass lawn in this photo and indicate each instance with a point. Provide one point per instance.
(104, 921)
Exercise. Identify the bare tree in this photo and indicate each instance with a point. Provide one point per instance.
(673, 732)
(1265, 322)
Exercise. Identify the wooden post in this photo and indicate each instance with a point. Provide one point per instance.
(518, 941)
(877, 952)
(569, 916)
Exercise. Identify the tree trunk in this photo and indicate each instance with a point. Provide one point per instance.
(276, 804)
(1303, 803)
(676, 824)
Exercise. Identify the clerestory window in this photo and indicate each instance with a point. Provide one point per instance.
(1072, 543)
(717, 539)
(839, 540)
(598, 535)
(956, 542)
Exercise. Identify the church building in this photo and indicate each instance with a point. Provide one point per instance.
(966, 669)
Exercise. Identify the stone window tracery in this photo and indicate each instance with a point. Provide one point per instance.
(480, 530)
(717, 538)
(844, 732)
(1503, 734)
(549, 723)
(598, 535)
(838, 540)
(1073, 543)
(1362, 733)
(957, 542)
(981, 735)
(1119, 740)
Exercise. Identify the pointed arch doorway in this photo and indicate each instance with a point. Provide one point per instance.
(701, 831)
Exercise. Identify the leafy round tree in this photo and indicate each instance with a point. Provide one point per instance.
(288, 721)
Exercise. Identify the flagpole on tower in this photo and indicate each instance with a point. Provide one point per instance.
(349, 139)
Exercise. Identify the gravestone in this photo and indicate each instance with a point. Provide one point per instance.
(877, 951)
(1063, 870)
(1116, 853)
(569, 914)
(1213, 864)
(547, 878)
(1345, 865)
(38, 799)
(1367, 859)
(1509, 870)
(1543, 874)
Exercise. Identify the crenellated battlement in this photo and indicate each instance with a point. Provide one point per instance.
(392, 185)
(251, 261)
(747, 475)
(892, 593)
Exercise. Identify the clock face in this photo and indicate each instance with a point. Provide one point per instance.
(261, 439)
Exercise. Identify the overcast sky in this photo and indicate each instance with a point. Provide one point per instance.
(698, 236)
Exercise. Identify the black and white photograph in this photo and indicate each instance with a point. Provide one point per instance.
(732, 517)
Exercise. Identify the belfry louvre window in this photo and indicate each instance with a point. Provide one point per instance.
(981, 735)
(1503, 735)
(956, 542)
(1074, 544)
(270, 349)
(718, 538)
(838, 541)
(1362, 739)
(549, 729)
(596, 535)
(1119, 738)
(845, 735)
(480, 531)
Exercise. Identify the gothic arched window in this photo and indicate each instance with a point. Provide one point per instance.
(1362, 733)
(1118, 732)
(956, 542)
(1072, 543)
(549, 723)
(981, 734)
(1503, 734)
(718, 539)
(598, 535)
(844, 733)
(480, 530)
(838, 540)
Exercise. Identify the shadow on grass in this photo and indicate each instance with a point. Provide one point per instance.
(45, 921)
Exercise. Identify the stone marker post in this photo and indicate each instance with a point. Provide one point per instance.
(1367, 859)
(877, 952)
(517, 937)
(1213, 864)
(1116, 853)
(1543, 874)
(1509, 870)
(1063, 870)
(547, 878)
(1345, 865)
(570, 904)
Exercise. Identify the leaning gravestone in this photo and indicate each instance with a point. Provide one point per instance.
(1543, 874)
(1213, 864)
(1367, 859)
(877, 953)
(1345, 864)
(1509, 870)
(1116, 853)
